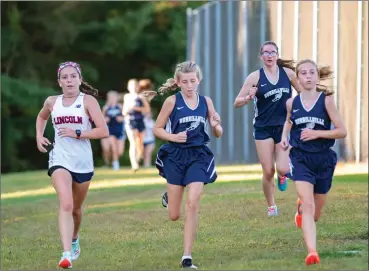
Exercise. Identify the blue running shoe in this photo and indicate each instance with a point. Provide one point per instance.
(76, 249)
(282, 183)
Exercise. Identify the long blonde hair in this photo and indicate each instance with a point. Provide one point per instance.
(171, 83)
(324, 72)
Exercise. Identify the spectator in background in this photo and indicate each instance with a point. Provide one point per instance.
(114, 119)
(149, 138)
(122, 139)
(134, 108)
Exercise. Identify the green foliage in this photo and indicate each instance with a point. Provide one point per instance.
(113, 42)
(20, 103)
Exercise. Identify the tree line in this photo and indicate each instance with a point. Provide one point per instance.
(112, 41)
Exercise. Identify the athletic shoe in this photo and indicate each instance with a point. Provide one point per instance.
(282, 183)
(273, 210)
(312, 258)
(164, 200)
(76, 249)
(187, 263)
(298, 215)
(66, 260)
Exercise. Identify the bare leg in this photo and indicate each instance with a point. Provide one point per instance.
(62, 182)
(148, 149)
(305, 191)
(192, 207)
(265, 149)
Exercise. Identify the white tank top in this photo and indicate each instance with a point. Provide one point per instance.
(149, 134)
(71, 153)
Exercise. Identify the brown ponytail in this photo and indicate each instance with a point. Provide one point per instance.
(87, 89)
(286, 63)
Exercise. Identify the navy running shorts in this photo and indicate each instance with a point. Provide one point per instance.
(76, 177)
(117, 132)
(315, 168)
(274, 132)
(182, 166)
(137, 124)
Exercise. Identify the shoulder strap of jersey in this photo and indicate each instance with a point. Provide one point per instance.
(321, 98)
(296, 99)
(58, 101)
(258, 83)
(179, 98)
(282, 71)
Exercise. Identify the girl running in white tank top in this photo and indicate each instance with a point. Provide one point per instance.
(73, 154)
(70, 159)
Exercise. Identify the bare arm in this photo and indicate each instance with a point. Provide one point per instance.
(243, 97)
(125, 107)
(214, 119)
(43, 116)
(287, 124)
(93, 109)
(293, 79)
(41, 122)
(104, 110)
(339, 130)
(162, 119)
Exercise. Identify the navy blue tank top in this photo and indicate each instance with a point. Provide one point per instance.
(136, 115)
(113, 112)
(270, 100)
(194, 121)
(316, 118)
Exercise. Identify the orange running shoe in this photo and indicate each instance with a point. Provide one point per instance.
(66, 260)
(298, 215)
(312, 258)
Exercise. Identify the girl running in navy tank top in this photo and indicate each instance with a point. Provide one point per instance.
(312, 161)
(186, 160)
(114, 118)
(71, 164)
(270, 88)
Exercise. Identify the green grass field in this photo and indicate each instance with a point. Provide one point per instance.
(126, 228)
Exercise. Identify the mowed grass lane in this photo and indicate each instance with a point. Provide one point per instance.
(126, 228)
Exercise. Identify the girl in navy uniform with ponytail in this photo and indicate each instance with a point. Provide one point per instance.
(186, 161)
(270, 88)
(312, 160)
